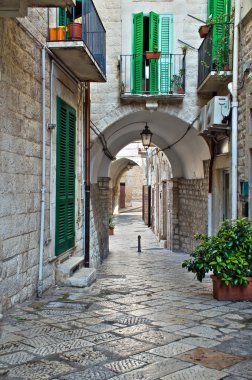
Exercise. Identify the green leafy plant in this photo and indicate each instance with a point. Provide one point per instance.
(228, 253)
(111, 224)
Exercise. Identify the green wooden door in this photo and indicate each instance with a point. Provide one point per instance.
(137, 58)
(65, 177)
(221, 32)
(154, 45)
(166, 59)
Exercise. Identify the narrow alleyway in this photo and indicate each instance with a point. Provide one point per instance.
(144, 318)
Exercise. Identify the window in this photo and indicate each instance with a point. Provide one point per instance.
(219, 12)
(65, 178)
(152, 32)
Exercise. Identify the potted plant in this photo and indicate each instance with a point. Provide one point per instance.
(111, 225)
(75, 30)
(178, 82)
(228, 253)
(155, 54)
(203, 30)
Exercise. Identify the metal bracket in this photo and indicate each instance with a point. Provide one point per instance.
(51, 126)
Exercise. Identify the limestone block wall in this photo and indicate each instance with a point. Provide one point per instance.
(21, 153)
(245, 114)
(116, 16)
(192, 210)
(20, 150)
(100, 201)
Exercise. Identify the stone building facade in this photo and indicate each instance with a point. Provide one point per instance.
(37, 95)
(245, 114)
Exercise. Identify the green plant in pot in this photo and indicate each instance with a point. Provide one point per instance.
(178, 82)
(228, 253)
(111, 225)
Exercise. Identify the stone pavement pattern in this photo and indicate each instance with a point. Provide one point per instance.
(144, 318)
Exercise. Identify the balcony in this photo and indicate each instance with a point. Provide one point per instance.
(215, 59)
(51, 3)
(77, 38)
(18, 8)
(143, 78)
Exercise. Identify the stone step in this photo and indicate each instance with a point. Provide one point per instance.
(68, 267)
(81, 278)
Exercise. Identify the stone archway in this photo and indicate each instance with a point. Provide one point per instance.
(181, 144)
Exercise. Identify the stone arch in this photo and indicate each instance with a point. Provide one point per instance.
(186, 156)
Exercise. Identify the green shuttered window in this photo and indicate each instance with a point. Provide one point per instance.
(160, 38)
(219, 11)
(137, 59)
(154, 45)
(65, 177)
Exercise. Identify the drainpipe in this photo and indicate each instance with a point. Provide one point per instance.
(234, 106)
(86, 139)
(51, 127)
(43, 188)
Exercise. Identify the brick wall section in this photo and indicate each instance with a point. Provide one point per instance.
(192, 214)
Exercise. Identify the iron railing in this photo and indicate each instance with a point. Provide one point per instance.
(215, 52)
(81, 22)
(142, 76)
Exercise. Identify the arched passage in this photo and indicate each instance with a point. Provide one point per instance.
(186, 156)
(186, 152)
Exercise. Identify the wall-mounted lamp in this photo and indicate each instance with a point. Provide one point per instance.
(146, 136)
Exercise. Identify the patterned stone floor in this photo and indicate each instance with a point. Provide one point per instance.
(144, 318)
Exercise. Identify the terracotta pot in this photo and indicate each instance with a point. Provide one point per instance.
(203, 31)
(75, 31)
(231, 293)
(152, 54)
(111, 231)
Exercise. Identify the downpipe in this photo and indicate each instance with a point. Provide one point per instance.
(234, 106)
(43, 188)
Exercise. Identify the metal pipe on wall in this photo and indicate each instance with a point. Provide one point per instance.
(86, 131)
(43, 184)
(235, 109)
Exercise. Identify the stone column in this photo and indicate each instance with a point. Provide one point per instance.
(172, 215)
(105, 204)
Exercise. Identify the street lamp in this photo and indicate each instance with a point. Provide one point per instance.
(146, 137)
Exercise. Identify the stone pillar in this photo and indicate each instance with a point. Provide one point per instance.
(105, 204)
(172, 215)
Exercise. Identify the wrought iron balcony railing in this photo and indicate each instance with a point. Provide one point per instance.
(81, 22)
(215, 52)
(140, 75)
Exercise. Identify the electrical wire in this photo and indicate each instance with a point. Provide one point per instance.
(177, 141)
(103, 141)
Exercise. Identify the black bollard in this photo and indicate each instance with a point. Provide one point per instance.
(139, 243)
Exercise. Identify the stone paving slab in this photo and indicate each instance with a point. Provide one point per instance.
(195, 373)
(144, 318)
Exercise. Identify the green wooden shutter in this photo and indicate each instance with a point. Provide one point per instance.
(210, 7)
(65, 178)
(154, 45)
(221, 31)
(137, 59)
(166, 59)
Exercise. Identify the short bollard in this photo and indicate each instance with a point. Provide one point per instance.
(139, 243)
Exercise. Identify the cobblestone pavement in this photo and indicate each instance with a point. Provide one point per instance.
(144, 318)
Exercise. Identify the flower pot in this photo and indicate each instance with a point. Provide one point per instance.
(226, 67)
(57, 34)
(203, 31)
(152, 54)
(110, 231)
(75, 31)
(231, 293)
